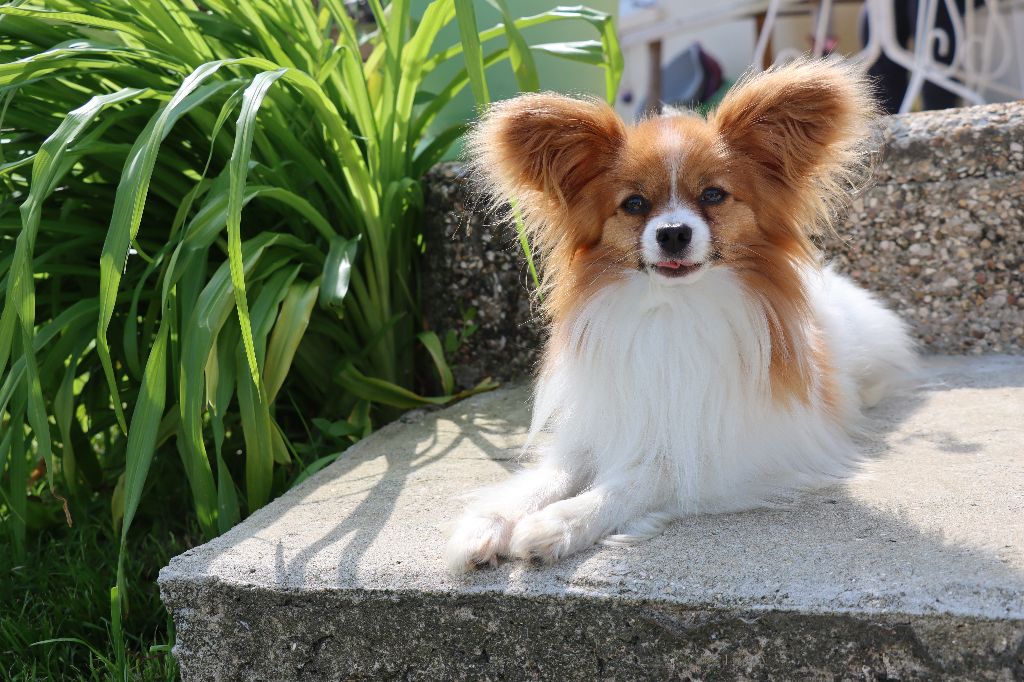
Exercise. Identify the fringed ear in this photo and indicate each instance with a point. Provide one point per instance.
(807, 127)
(544, 143)
(549, 155)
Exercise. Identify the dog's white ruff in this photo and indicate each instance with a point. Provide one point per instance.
(659, 406)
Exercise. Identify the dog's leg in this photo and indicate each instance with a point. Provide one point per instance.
(570, 525)
(483, 533)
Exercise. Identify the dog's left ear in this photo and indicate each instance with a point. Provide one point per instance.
(805, 124)
(545, 144)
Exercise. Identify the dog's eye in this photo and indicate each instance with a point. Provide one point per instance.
(712, 195)
(635, 205)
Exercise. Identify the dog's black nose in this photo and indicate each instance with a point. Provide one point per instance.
(674, 238)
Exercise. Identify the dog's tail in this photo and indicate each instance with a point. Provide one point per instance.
(639, 529)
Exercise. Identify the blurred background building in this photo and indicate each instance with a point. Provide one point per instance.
(925, 53)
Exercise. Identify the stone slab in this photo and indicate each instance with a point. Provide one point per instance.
(912, 570)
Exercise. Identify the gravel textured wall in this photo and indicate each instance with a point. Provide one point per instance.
(473, 264)
(939, 236)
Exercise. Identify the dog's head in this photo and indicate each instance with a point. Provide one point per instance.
(677, 195)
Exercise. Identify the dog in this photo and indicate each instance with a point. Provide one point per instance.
(702, 358)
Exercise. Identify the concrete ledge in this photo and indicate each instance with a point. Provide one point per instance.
(940, 236)
(970, 142)
(914, 570)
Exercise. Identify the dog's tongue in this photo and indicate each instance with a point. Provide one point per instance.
(675, 264)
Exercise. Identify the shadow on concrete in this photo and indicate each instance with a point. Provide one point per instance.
(474, 422)
(444, 432)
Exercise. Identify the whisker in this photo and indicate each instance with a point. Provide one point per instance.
(744, 247)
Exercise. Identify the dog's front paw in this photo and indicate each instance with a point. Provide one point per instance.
(478, 541)
(542, 537)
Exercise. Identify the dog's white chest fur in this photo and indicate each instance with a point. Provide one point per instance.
(669, 386)
(655, 402)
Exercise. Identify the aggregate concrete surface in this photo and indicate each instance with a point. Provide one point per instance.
(914, 569)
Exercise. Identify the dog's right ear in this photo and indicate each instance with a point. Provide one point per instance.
(544, 143)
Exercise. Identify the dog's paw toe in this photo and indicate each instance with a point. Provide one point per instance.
(477, 542)
(541, 537)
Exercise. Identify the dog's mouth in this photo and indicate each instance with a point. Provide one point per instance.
(677, 268)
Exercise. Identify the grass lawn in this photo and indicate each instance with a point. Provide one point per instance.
(62, 591)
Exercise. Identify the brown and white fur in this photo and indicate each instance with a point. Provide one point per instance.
(701, 357)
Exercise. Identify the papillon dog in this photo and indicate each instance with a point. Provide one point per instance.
(701, 356)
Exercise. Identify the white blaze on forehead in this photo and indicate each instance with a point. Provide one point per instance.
(672, 147)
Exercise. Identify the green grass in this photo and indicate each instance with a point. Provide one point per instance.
(60, 590)
(210, 227)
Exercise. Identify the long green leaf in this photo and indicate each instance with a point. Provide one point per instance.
(252, 98)
(433, 346)
(289, 329)
(466, 15)
(585, 51)
(228, 511)
(519, 52)
(142, 439)
(256, 428)
(69, 17)
(337, 273)
(384, 392)
(208, 317)
(129, 201)
(12, 450)
(47, 169)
